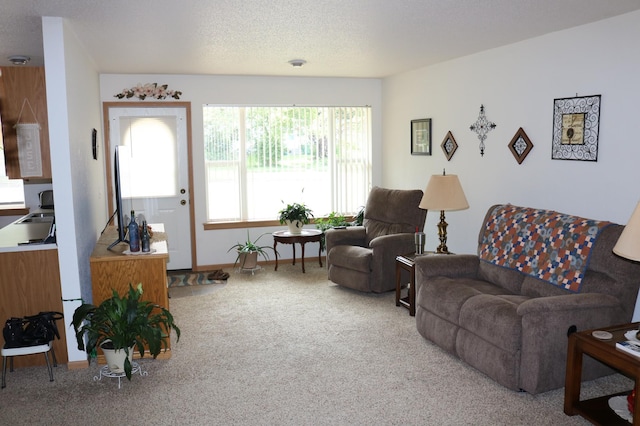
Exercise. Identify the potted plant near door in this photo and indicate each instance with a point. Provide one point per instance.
(295, 216)
(248, 253)
(121, 325)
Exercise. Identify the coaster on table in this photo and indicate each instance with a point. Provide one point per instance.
(602, 335)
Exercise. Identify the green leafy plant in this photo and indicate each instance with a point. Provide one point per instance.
(333, 219)
(249, 247)
(295, 212)
(337, 219)
(126, 322)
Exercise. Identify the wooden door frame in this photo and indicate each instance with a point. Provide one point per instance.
(106, 106)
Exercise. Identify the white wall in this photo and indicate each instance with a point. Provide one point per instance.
(78, 180)
(517, 85)
(235, 90)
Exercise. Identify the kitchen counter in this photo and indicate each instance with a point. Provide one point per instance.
(15, 233)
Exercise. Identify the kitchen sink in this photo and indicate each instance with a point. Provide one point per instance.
(44, 217)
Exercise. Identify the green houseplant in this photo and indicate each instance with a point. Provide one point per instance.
(295, 216)
(335, 219)
(124, 323)
(248, 252)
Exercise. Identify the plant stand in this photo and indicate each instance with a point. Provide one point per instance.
(252, 270)
(106, 372)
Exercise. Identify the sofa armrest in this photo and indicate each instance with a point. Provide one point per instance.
(546, 321)
(394, 243)
(448, 265)
(569, 302)
(350, 236)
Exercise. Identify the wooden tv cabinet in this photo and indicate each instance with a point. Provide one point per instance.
(112, 269)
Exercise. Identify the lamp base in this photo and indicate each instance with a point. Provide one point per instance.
(442, 235)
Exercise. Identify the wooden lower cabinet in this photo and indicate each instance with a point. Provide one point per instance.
(114, 270)
(29, 284)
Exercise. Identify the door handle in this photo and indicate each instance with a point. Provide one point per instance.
(183, 202)
(182, 190)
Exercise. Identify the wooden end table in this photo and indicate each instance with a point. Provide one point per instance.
(407, 262)
(305, 236)
(597, 410)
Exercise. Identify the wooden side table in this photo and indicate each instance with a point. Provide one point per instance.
(597, 410)
(406, 262)
(305, 236)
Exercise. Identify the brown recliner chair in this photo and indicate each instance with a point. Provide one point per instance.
(363, 257)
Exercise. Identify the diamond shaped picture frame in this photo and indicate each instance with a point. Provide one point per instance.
(449, 145)
(520, 145)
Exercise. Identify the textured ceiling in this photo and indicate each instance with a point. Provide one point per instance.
(352, 38)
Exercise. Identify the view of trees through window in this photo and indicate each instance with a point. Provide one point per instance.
(258, 158)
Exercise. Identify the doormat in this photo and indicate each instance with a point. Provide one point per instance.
(181, 279)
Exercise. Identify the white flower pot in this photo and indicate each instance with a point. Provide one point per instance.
(115, 358)
(295, 227)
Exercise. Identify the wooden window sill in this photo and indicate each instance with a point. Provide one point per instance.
(13, 210)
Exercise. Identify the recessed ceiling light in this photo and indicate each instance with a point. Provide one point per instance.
(297, 63)
(19, 59)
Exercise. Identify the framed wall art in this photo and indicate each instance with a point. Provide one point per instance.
(576, 125)
(520, 145)
(449, 145)
(421, 137)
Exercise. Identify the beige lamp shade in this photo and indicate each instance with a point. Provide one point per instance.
(444, 193)
(628, 244)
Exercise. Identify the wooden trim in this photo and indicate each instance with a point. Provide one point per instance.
(77, 365)
(13, 210)
(210, 226)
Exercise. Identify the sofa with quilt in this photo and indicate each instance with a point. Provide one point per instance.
(538, 276)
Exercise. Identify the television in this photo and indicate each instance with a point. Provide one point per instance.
(122, 227)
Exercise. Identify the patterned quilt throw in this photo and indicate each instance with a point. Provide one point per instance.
(548, 245)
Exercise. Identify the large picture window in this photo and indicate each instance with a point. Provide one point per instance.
(257, 158)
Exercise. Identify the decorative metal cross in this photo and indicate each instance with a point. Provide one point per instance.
(482, 126)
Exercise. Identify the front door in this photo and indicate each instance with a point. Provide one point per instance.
(154, 171)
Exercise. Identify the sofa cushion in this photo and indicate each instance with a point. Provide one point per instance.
(506, 278)
(494, 318)
(445, 296)
(351, 257)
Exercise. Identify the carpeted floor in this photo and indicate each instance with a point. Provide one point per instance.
(288, 348)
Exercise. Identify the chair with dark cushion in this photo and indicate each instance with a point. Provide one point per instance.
(363, 257)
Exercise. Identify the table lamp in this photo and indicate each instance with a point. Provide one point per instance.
(628, 245)
(443, 193)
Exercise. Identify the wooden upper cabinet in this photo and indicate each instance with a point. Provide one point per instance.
(16, 85)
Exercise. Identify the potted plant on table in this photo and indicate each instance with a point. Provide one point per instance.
(248, 252)
(295, 216)
(120, 325)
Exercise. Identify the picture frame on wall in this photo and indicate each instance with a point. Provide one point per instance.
(421, 136)
(520, 145)
(449, 145)
(576, 126)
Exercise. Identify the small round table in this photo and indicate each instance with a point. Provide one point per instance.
(305, 236)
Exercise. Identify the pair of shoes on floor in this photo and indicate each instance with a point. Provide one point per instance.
(218, 275)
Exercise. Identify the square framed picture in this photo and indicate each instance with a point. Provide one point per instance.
(421, 137)
(576, 126)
